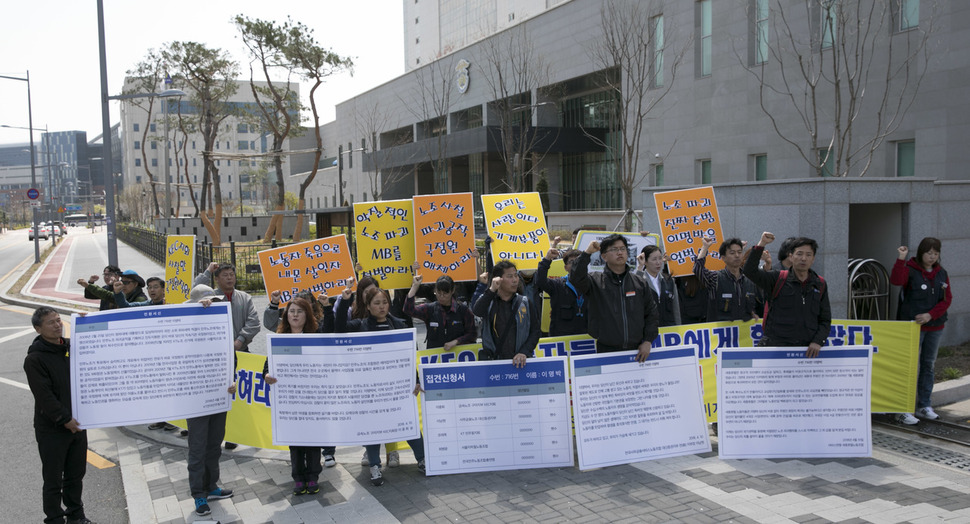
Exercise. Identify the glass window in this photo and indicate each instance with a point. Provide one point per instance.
(154, 145)
(152, 128)
(193, 162)
(658, 171)
(657, 25)
(137, 144)
(242, 144)
(704, 24)
(908, 14)
(137, 162)
(906, 158)
(589, 182)
(761, 167)
(154, 162)
(135, 126)
(761, 31)
(829, 14)
(826, 161)
(705, 171)
(242, 128)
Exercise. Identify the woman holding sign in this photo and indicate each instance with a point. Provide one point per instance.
(924, 298)
(305, 465)
(377, 304)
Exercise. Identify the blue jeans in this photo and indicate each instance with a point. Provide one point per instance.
(929, 344)
(374, 451)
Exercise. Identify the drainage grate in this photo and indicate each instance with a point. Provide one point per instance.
(921, 451)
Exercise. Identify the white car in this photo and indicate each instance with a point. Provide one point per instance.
(43, 231)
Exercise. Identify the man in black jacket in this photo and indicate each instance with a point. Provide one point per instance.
(622, 312)
(568, 307)
(62, 444)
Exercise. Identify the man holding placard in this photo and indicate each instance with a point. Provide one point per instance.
(622, 312)
(510, 321)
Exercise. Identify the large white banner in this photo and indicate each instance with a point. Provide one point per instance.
(141, 365)
(627, 411)
(342, 389)
(492, 416)
(775, 403)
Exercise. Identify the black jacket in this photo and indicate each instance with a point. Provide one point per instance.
(342, 325)
(622, 311)
(48, 369)
(568, 310)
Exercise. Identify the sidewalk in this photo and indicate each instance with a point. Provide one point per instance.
(907, 479)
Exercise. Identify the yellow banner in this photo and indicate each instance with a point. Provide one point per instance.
(685, 216)
(517, 225)
(444, 229)
(179, 267)
(385, 241)
(317, 265)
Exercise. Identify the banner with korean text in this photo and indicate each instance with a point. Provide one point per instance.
(444, 236)
(685, 216)
(517, 224)
(635, 243)
(384, 232)
(179, 267)
(317, 265)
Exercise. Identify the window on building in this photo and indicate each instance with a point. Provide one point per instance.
(137, 162)
(826, 160)
(154, 145)
(137, 144)
(218, 163)
(760, 167)
(704, 166)
(154, 162)
(350, 155)
(217, 144)
(193, 144)
(415, 20)
(829, 20)
(242, 128)
(589, 182)
(657, 26)
(704, 24)
(138, 179)
(227, 144)
(242, 144)
(152, 127)
(229, 181)
(417, 40)
(193, 162)
(170, 163)
(907, 14)
(658, 171)
(135, 127)
(760, 12)
(417, 61)
(252, 145)
(906, 158)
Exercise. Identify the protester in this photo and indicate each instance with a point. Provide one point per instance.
(450, 323)
(798, 312)
(63, 446)
(650, 264)
(693, 299)
(305, 466)
(205, 436)
(924, 298)
(377, 305)
(131, 286)
(510, 322)
(730, 296)
(622, 312)
(156, 294)
(568, 307)
(110, 273)
(784, 252)
(245, 320)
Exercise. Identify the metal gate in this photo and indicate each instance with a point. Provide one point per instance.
(868, 290)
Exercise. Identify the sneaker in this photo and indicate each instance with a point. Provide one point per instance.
(927, 413)
(906, 418)
(299, 488)
(329, 461)
(220, 493)
(202, 507)
(421, 466)
(157, 425)
(365, 461)
(393, 459)
(170, 427)
(231, 445)
(312, 488)
(375, 476)
(82, 520)
(184, 432)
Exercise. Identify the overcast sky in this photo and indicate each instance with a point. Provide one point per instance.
(57, 41)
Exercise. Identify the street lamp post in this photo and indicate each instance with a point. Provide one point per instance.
(33, 170)
(340, 169)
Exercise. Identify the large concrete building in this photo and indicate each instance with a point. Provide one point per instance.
(726, 106)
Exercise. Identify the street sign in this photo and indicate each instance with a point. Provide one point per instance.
(35, 203)
(33, 194)
(73, 207)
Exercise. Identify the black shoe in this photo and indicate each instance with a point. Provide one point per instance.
(202, 507)
(184, 433)
(170, 427)
(231, 445)
(157, 425)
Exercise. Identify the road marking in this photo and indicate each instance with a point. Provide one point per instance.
(17, 335)
(14, 383)
(24, 261)
(98, 461)
(17, 310)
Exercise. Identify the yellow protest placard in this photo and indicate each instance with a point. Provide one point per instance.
(315, 265)
(517, 224)
(179, 267)
(685, 216)
(444, 236)
(384, 232)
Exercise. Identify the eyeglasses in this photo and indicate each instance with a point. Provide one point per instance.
(616, 250)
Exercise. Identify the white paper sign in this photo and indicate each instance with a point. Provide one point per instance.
(626, 411)
(492, 416)
(341, 389)
(141, 365)
(775, 403)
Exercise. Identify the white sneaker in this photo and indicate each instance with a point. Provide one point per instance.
(375, 476)
(393, 459)
(365, 461)
(927, 413)
(329, 461)
(906, 418)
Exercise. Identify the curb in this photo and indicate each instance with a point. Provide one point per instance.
(951, 391)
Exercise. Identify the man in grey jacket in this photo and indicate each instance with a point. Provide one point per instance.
(245, 320)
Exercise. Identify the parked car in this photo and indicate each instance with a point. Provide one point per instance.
(43, 231)
(59, 228)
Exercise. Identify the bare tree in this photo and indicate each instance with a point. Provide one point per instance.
(431, 102)
(515, 72)
(315, 64)
(210, 75)
(147, 75)
(639, 59)
(826, 64)
(186, 128)
(371, 123)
